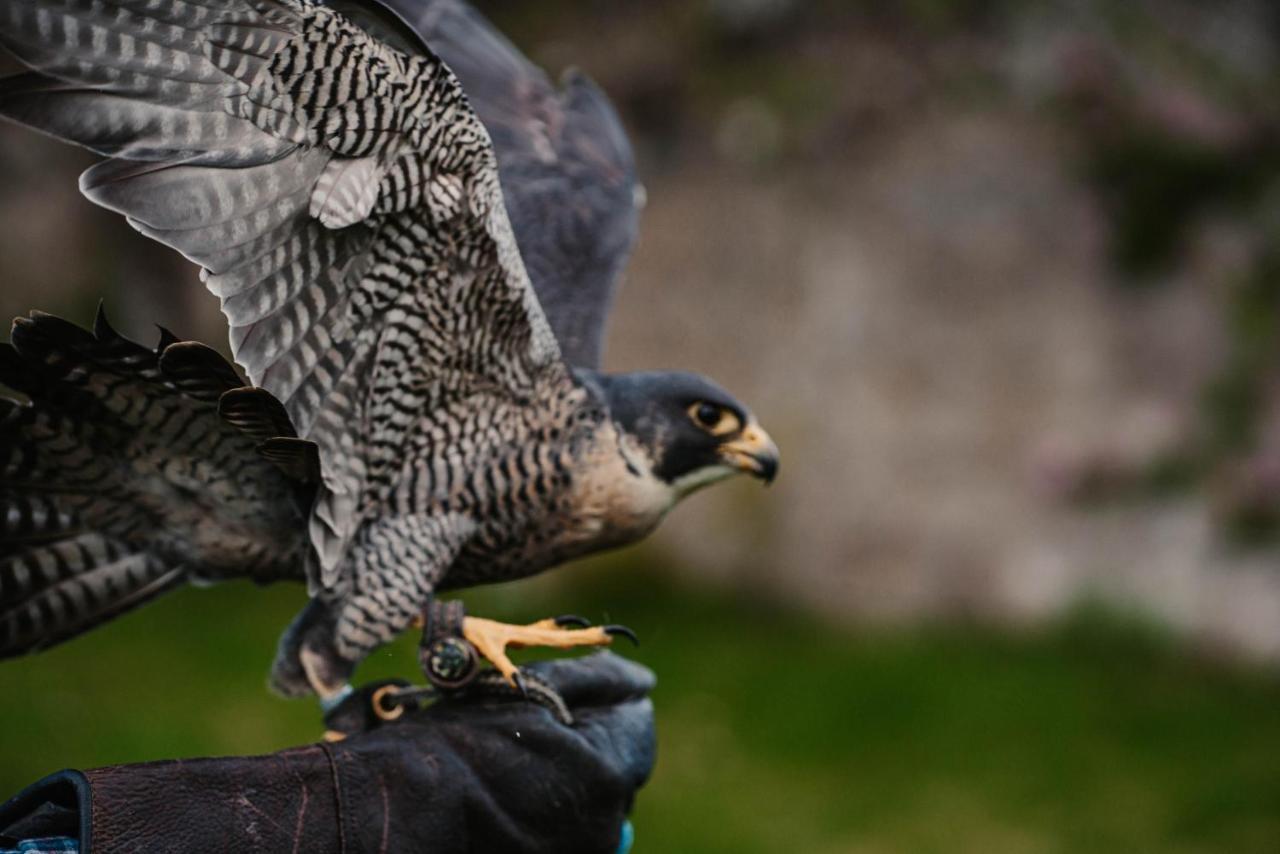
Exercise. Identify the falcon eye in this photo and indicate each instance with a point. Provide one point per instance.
(716, 420)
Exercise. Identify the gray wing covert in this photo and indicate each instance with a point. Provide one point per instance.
(568, 172)
(342, 198)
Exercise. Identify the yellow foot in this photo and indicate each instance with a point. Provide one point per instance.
(491, 638)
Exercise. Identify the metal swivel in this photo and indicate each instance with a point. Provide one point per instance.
(449, 662)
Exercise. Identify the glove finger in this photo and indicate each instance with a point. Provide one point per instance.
(600, 679)
(623, 738)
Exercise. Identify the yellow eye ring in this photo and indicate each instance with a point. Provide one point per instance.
(716, 420)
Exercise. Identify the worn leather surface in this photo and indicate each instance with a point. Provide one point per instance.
(472, 774)
(282, 802)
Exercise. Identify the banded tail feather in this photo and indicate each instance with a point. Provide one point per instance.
(120, 480)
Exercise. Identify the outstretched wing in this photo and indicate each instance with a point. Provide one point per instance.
(568, 173)
(342, 197)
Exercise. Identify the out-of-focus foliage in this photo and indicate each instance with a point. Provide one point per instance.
(1179, 134)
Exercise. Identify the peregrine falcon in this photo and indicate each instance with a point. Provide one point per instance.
(415, 238)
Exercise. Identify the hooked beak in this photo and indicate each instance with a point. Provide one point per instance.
(753, 452)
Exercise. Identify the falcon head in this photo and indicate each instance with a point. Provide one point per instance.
(693, 431)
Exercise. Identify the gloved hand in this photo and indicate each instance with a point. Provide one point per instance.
(465, 774)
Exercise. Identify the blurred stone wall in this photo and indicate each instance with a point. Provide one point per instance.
(877, 225)
(928, 397)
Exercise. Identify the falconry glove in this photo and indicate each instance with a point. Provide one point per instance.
(469, 773)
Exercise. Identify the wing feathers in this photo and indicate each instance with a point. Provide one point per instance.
(185, 197)
(345, 192)
(198, 371)
(256, 413)
(343, 198)
(299, 253)
(568, 173)
(297, 458)
(115, 126)
(93, 41)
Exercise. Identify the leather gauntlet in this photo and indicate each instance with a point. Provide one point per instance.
(465, 774)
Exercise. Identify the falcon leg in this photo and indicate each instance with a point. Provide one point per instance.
(307, 661)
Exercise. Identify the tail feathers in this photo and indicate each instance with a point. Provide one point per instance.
(83, 386)
(56, 591)
(119, 480)
(31, 520)
(43, 454)
(60, 486)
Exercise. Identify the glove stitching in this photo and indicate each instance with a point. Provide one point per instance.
(337, 797)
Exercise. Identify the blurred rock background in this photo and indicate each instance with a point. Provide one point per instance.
(1001, 278)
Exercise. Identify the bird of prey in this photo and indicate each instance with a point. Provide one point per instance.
(415, 237)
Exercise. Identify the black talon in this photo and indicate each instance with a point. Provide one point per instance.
(572, 620)
(537, 691)
(520, 684)
(615, 629)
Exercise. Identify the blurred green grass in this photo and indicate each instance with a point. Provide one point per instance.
(776, 733)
